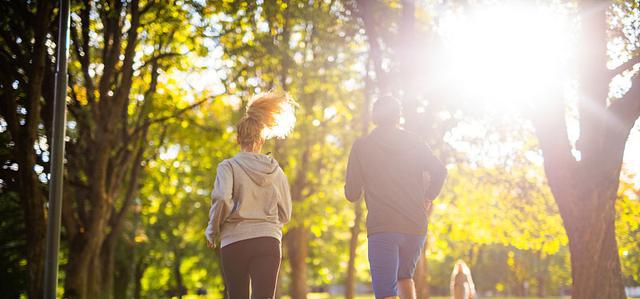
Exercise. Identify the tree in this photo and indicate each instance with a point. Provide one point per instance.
(113, 107)
(107, 128)
(585, 189)
(307, 49)
(392, 33)
(169, 238)
(26, 94)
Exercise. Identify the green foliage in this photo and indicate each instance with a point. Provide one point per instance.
(495, 212)
(628, 228)
(12, 251)
(175, 202)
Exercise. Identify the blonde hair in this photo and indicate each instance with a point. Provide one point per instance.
(268, 115)
(461, 266)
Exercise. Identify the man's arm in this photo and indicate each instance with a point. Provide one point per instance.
(437, 172)
(354, 181)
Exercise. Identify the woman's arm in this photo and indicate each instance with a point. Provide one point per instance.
(221, 200)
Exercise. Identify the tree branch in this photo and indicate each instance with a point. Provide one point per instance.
(10, 41)
(111, 52)
(626, 110)
(149, 122)
(625, 66)
(129, 53)
(8, 110)
(70, 221)
(154, 59)
(83, 57)
(559, 164)
(131, 191)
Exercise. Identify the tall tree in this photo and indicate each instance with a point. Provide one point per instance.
(113, 106)
(585, 189)
(306, 49)
(26, 86)
(108, 127)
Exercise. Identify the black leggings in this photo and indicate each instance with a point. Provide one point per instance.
(256, 260)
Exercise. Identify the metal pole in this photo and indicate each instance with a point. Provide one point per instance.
(57, 155)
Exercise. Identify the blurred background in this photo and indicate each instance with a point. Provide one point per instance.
(530, 104)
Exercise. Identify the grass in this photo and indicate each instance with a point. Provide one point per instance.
(328, 296)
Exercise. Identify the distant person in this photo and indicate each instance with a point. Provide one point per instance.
(462, 286)
(251, 201)
(390, 165)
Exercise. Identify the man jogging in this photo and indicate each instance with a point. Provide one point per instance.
(391, 166)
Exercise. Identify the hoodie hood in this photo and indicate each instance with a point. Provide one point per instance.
(392, 139)
(262, 169)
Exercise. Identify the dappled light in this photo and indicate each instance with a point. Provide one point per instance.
(495, 143)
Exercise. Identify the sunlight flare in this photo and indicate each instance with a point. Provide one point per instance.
(285, 120)
(501, 55)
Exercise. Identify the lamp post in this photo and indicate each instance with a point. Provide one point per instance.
(57, 155)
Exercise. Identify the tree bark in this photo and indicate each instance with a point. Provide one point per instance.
(586, 195)
(350, 285)
(31, 195)
(180, 289)
(107, 261)
(595, 262)
(297, 248)
(420, 277)
(585, 189)
(141, 267)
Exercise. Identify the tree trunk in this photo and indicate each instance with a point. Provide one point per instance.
(595, 264)
(141, 267)
(95, 289)
(180, 288)
(350, 285)
(297, 247)
(83, 277)
(278, 293)
(407, 64)
(540, 267)
(123, 275)
(586, 192)
(425, 291)
(75, 284)
(107, 259)
(585, 189)
(420, 277)
(35, 227)
(32, 196)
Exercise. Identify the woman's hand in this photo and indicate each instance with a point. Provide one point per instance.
(210, 245)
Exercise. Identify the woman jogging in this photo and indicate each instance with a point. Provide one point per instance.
(462, 286)
(251, 201)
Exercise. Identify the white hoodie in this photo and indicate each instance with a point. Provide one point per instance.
(250, 199)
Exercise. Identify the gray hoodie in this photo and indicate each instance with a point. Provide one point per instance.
(389, 166)
(250, 199)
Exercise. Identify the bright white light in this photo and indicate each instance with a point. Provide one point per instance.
(285, 121)
(169, 153)
(499, 55)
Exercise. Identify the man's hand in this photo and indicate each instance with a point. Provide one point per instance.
(210, 245)
(427, 205)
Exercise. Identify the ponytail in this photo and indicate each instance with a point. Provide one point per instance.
(268, 115)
